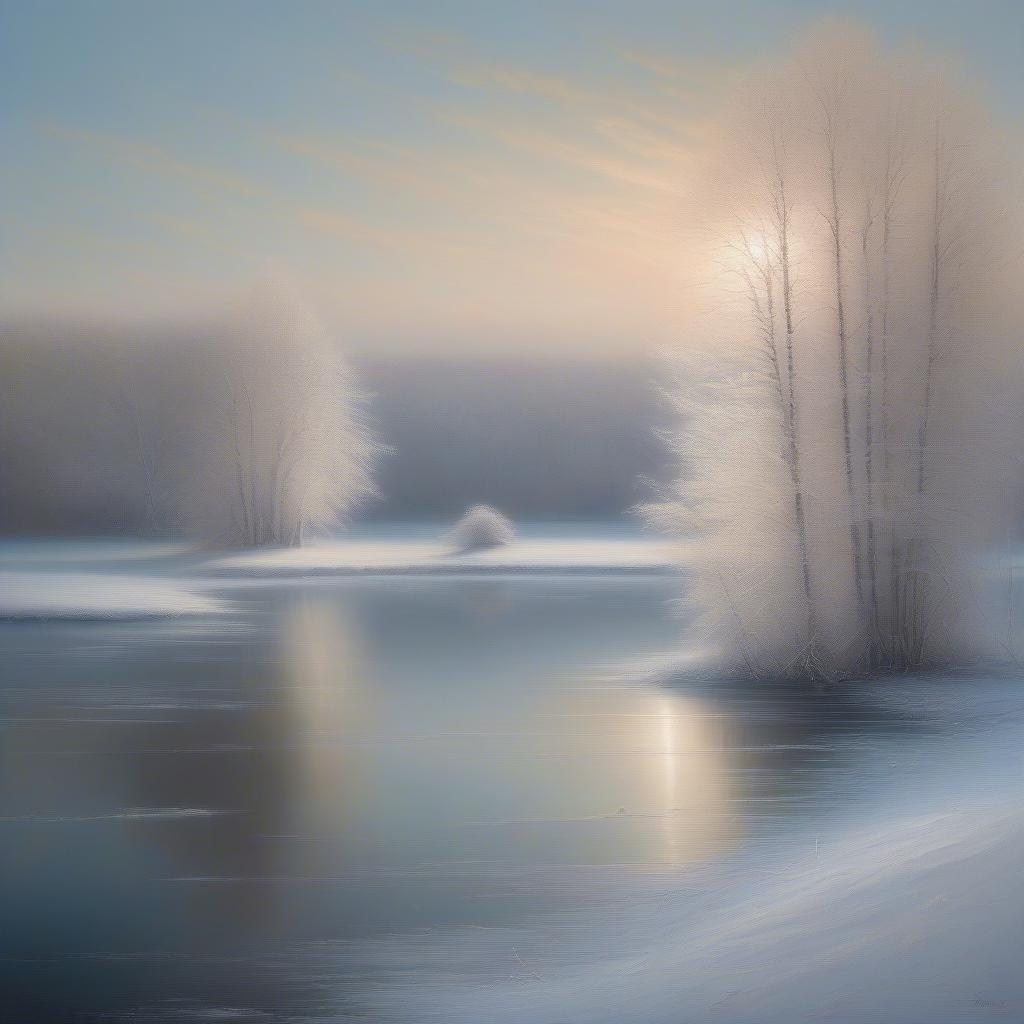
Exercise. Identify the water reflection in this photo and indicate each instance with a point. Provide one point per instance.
(650, 773)
(321, 679)
(697, 795)
(368, 757)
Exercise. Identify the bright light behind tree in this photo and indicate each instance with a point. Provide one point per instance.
(828, 437)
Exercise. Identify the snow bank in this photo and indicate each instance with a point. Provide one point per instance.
(561, 556)
(98, 596)
(480, 528)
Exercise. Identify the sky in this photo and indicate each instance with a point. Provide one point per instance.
(435, 177)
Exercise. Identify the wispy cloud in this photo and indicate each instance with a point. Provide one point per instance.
(157, 160)
(521, 196)
(154, 158)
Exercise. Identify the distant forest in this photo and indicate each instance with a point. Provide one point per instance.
(538, 437)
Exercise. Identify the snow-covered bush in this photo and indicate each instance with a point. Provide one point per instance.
(481, 527)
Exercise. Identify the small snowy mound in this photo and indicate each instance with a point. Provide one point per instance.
(44, 595)
(480, 528)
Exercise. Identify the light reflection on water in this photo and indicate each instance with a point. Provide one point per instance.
(380, 757)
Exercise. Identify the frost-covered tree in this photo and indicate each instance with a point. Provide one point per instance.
(284, 447)
(481, 527)
(842, 431)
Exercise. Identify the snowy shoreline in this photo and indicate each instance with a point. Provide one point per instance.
(96, 596)
(560, 556)
(83, 580)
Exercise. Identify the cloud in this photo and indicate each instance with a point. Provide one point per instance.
(155, 158)
(524, 80)
(522, 197)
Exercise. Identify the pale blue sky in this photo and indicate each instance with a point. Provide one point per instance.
(430, 173)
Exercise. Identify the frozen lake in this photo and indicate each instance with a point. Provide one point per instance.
(336, 794)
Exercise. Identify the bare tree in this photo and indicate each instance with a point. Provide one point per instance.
(893, 176)
(765, 264)
(832, 123)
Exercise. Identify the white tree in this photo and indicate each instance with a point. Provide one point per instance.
(829, 438)
(286, 448)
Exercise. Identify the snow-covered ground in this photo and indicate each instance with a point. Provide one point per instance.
(567, 555)
(100, 579)
(56, 595)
